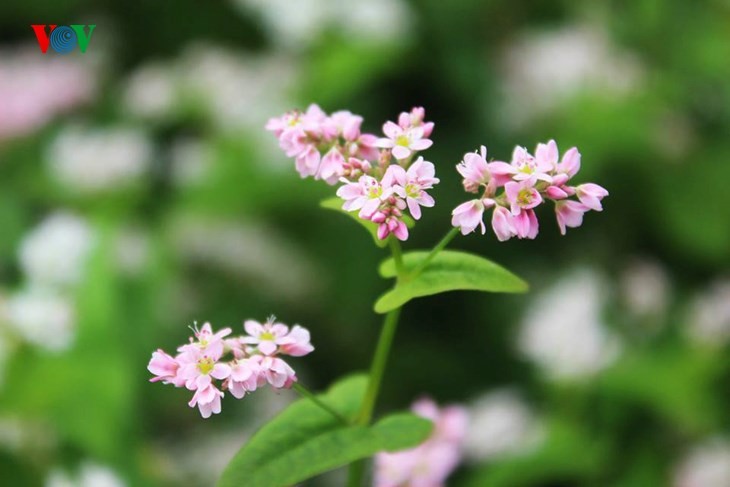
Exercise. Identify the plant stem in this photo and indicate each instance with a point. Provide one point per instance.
(304, 392)
(434, 252)
(397, 256)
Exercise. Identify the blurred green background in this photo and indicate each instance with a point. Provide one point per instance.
(139, 193)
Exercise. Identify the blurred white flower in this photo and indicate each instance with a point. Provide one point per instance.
(191, 160)
(645, 287)
(250, 250)
(20, 435)
(238, 90)
(42, 317)
(92, 160)
(89, 475)
(298, 24)
(35, 88)
(706, 465)
(709, 316)
(55, 252)
(151, 91)
(500, 424)
(541, 70)
(132, 249)
(562, 331)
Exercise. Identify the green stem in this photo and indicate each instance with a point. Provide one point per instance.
(304, 392)
(397, 256)
(434, 252)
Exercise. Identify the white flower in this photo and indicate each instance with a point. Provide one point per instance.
(55, 252)
(563, 332)
(151, 92)
(706, 465)
(90, 475)
(500, 424)
(93, 160)
(191, 160)
(541, 70)
(645, 288)
(41, 317)
(709, 317)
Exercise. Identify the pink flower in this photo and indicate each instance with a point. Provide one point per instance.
(412, 184)
(300, 342)
(522, 195)
(364, 195)
(277, 372)
(415, 119)
(529, 168)
(475, 170)
(429, 464)
(468, 215)
(208, 343)
(525, 224)
(200, 372)
(332, 167)
(266, 337)
(502, 224)
(244, 376)
(591, 195)
(403, 142)
(347, 124)
(568, 166)
(569, 214)
(307, 161)
(208, 400)
(165, 368)
(389, 221)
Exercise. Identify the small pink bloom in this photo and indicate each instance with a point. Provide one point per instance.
(546, 156)
(164, 367)
(403, 142)
(307, 161)
(208, 343)
(569, 214)
(244, 376)
(501, 173)
(416, 119)
(389, 222)
(528, 168)
(300, 342)
(502, 224)
(556, 193)
(475, 170)
(568, 167)
(201, 372)
(591, 195)
(346, 124)
(429, 464)
(525, 224)
(266, 337)
(364, 195)
(331, 167)
(468, 215)
(412, 184)
(277, 372)
(208, 400)
(365, 147)
(522, 196)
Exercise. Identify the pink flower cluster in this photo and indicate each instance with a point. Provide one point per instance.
(429, 464)
(525, 182)
(381, 177)
(254, 362)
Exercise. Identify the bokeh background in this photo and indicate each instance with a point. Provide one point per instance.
(139, 193)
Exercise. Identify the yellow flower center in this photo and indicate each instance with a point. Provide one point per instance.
(402, 140)
(205, 365)
(266, 336)
(524, 196)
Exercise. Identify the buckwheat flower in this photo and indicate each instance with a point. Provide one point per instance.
(277, 372)
(568, 166)
(332, 167)
(41, 316)
(389, 221)
(415, 119)
(412, 184)
(569, 214)
(525, 224)
(208, 343)
(245, 375)
(529, 168)
(475, 170)
(591, 194)
(199, 371)
(164, 368)
(502, 224)
(300, 342)
(346, 123)
(468, 216)
(522, 196)
(364, 195)
(267, 337)
(403, 142)
(429, 464)
(208, 400)
(706, 465)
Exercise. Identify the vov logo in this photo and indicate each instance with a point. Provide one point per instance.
(63, 38)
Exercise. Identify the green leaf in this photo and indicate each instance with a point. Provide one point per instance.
(304, 440)
(448, 271)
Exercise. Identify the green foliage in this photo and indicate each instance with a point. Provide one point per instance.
(449, 271)
(372, 228)
(304, 440)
